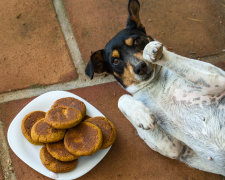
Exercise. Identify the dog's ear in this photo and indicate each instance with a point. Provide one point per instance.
(133, 21)
(96, 64)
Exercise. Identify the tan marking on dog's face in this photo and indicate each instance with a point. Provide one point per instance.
(129, 41)
(128, 76)
(148, 39)
(116, 74)
(139, 55)
(115, 53)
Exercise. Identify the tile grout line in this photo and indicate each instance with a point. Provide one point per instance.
(27, 93)
(69, 36)
(81, 81)
(7, 167)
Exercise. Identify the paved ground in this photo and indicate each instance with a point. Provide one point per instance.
(46, 44)
(33, 49)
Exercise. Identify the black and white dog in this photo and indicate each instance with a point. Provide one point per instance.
(177, 104)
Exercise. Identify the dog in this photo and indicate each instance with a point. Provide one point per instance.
(177, 104)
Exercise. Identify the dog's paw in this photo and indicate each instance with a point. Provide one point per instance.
(136, 112)
(153, 51)
(144, 119)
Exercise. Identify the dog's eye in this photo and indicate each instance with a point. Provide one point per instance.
(137, 42)
(116, 61)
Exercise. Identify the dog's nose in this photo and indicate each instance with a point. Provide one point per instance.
(140, 68)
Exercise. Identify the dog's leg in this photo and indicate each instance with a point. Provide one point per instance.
(157, 139)
(141, 115)
(189, 157)
(208, 76)
(168, 146)
(141, 118)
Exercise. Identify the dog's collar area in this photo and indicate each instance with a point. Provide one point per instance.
(157, 72)
(161, 57)
(158, 69)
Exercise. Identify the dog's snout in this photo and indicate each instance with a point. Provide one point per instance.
(140, 68)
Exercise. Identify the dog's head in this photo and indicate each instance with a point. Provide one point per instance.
(122, 55)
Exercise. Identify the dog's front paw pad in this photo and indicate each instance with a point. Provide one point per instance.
(153, 51)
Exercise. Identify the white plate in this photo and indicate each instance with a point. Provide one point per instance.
(29, 153)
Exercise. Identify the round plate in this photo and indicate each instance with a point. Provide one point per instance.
(29, 153)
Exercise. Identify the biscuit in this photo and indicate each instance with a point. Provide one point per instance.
(63, 117)
(83, 140)
(45, 133)
(27, 123)
(71, 102)
(59, 152)
(55, 165)
(107, 128)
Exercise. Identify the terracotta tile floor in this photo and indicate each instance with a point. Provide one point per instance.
(34, 53)
(33, 49)
(190, 28)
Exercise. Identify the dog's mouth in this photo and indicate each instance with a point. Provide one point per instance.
(146, 75)
(141, 80)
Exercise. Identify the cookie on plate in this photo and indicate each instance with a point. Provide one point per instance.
(71, 102)
(107, 128)
(27, 123)
(63, 117)
(84, 139)
(59, 152)
(45, 133)
(55, 165)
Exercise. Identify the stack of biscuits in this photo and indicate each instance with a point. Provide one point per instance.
(67, 133)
